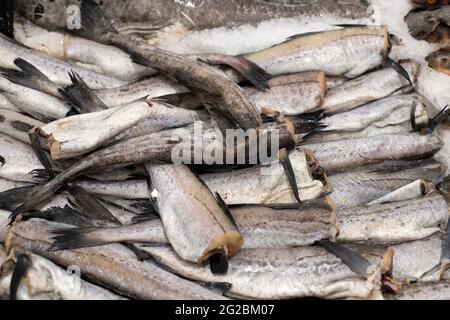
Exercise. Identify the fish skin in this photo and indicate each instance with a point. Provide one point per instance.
(327, 51)
(56, 70)
(128, 189)
(440, 60)
(359, 187)
(113, 266)
(419, 260)
(340, 155)
(111, 61)
(422, 23)
(46, 281)
(424, 291)
(278, 274)
(367, 88)
(393, 222)
(17, 125)
(197, 14)
(20, 160)
(6, 105)
(24, 98)
(195, 224)
(291, 95)
(269, 184)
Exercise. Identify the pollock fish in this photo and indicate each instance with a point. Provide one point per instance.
(194, 221)
(18, 160)
(440, 60)
(17, 125)
(423, 291)
(422, 23)
(368, 88)
(76, 135)
(128, 189)
(142, 17)
(113, 266)
(25, 99)
(419, 260)
(56, 70)
(279, 274)
(393, 222)
(345, 52)
(261, 227)
(44, 280)
(410, 191)
(111, 61)
(360, 186)
(389, 111)
(269, 184)
(159, 147)
(292, 94)
(341, 155)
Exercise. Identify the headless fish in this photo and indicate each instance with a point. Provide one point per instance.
(44, 280)
(113, 266)
(347, 52)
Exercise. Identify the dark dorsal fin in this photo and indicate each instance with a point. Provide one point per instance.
(7, 18)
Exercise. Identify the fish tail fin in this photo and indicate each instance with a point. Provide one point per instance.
(75, 238)
(7, 18)
(80, 96)
(94, 24)
(28, 76)
(399, 69)
(23, 263)
(353, 260)
(217, 287)
(12, 198)
(41, 153)
(309, 122)
(289, 172)
(248, 69)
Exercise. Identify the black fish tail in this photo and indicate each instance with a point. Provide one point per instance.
(74, 238)
(12, 198)
(248, 69)
(353, 260)
(20, 270)
(29, 76)
(217, 287)
(7, 18)
(94, 24)
(218, 263)
(40, 153)
(80, 96)
(399, 69)
(290, 174)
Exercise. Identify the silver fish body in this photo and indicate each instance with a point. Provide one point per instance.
(17, 125)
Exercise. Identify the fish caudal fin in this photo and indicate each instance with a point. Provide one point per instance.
(20, 270)
(28, 76)
(80, 97)
(94, 24)
(7, 18)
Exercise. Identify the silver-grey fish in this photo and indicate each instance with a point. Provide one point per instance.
(44, 280)
(341, 155)
(17, 125)
(423, 291)
(113, 266)
(393, 222)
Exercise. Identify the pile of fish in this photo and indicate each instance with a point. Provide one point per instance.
(352, 203)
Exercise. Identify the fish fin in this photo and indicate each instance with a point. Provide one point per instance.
(23, 263)
(413, 117)
(145, 207)
(299, 36)
(217, 287)
(218, 263)
(43, 174)
(7, 18)
(308, 123)
(442, 116)
(248, 69)
(80, 96)
(290, 174)
(72, 112)
(143, 217)
(73, 238)
(28, 75)
(94, 24)
(10, 199)
(140, 254)
(343, 25)
(225, 208)
(40, 153)
(353, 260)
(90, 205)
(2, 160)
(399, 69)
